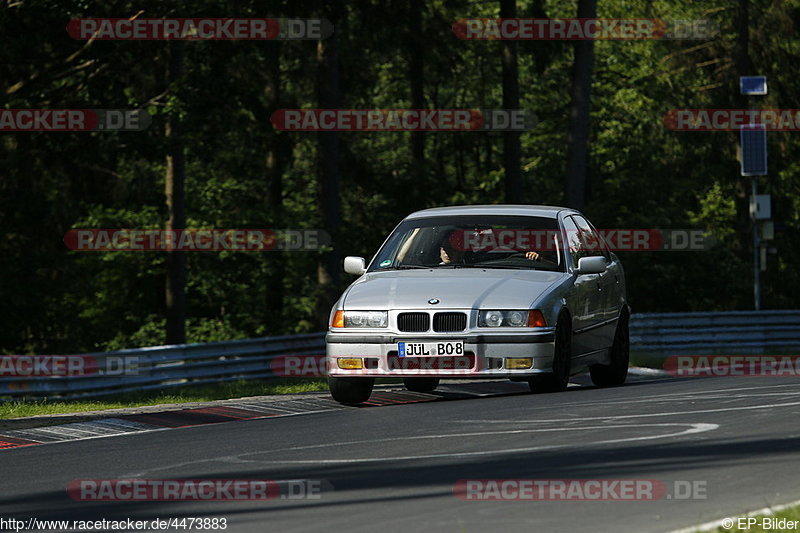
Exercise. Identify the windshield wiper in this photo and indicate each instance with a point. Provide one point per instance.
(507, 267)
(457, 265)
(407, 267)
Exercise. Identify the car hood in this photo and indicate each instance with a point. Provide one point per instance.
(455, 288)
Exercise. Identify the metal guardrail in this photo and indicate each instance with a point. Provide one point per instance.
(162, 367)
(731, 332)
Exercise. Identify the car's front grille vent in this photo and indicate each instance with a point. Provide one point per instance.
(449, 322)
(413, 322)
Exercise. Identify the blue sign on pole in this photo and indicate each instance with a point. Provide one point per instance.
(753, 85)
(753, 139)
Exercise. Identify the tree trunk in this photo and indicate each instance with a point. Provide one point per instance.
(278, 152)
(416, 78)
(328, 143)
(744, 64)
(744, 67)
(175, 293)
(512, 152)
(578, 139)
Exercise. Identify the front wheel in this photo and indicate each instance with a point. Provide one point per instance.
(558, 380)
(351, 390)
(615, 373)
(421, 384)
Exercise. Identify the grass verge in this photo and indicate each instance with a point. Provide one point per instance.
(188, 394)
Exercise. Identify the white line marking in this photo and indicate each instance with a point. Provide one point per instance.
(694, 428)
(674, 396)
(760, 387)
(240, 458)
(703, 396)
(620, 417)
(472, 434)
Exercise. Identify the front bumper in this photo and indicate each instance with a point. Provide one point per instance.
(485, 354)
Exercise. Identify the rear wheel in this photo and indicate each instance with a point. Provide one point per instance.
(558, 380)
(421, 384)
(615, 373)
(351, 390)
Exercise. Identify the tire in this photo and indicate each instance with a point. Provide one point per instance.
(351, 390)
(615, 374)
(558, 380)
(421, 384)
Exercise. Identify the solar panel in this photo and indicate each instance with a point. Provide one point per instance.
(753, 85)
(753, 139)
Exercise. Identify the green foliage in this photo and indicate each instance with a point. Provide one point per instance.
(641, 175)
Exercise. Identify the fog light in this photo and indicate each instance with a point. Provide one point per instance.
(517, 363)
(351, 364)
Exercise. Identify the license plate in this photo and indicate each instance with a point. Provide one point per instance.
(428, 349)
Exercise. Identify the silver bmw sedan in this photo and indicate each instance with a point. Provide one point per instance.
(528, 293)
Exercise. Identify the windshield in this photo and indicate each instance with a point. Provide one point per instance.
(486, 241)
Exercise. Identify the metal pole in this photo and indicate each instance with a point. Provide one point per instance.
(756, 250)
(756, 256)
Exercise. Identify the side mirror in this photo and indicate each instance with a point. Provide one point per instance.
(591, 265)
(354, 265)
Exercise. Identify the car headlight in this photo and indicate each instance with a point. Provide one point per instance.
(516, 318)
(511, 319)
(360, 319)
(491, 319)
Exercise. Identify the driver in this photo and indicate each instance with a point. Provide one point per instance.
(450, 255)
(533, 256)
(452, 249)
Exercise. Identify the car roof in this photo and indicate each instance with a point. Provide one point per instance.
(545, 211)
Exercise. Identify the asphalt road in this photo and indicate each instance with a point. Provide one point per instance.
(394, 468)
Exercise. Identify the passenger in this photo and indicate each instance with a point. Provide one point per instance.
(452, 250)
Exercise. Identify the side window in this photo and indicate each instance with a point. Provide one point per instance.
(593, 243)
(573, 242)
